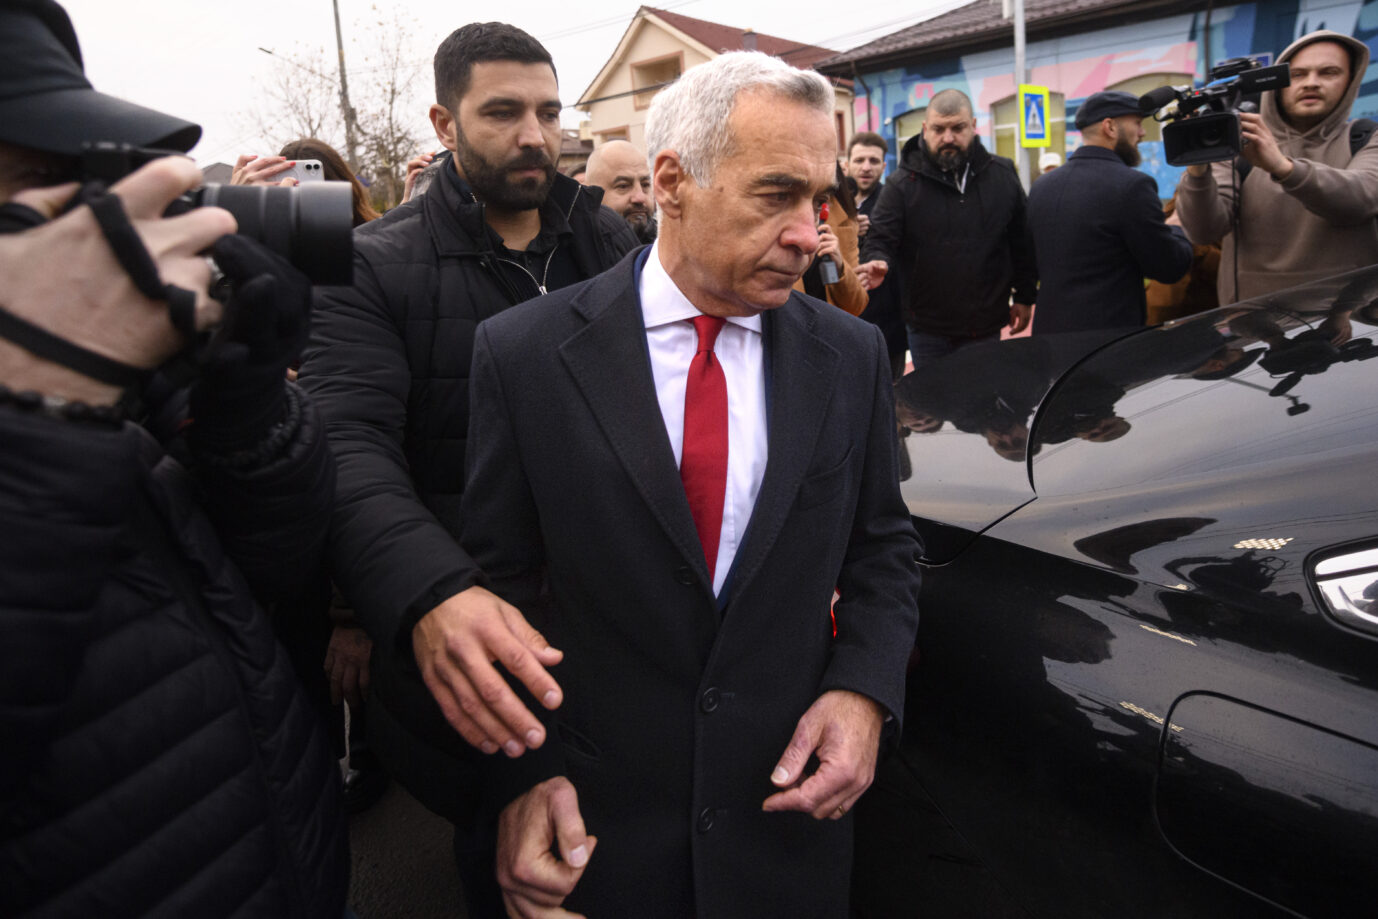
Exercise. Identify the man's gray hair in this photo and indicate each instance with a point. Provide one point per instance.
(690, 117)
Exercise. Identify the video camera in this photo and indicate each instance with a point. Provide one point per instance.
(310, 225)
(1205, 126)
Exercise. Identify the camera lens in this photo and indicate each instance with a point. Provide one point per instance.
(309, 225)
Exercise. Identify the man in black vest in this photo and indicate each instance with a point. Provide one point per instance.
(1098, 226)
(388, 365)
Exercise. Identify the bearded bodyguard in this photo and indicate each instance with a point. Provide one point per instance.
(388, 364)
(672, 467)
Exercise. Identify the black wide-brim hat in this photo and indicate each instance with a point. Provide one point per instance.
(46, 102)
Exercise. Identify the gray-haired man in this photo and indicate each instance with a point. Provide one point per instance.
(672, 466)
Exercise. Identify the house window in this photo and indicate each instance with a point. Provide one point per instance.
(613, 134)
(906, 126)
(1004, 116)
(654, 73)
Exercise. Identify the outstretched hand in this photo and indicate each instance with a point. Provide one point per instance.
(456, 645)
(842, 729)
(872, 273)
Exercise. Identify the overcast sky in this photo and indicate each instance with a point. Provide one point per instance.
(200, 60)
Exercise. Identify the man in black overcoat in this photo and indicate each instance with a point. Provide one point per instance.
(1098, 227)
(718, 724)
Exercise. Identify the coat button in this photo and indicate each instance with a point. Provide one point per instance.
(705, 820)
(684, 575)
(710, 699)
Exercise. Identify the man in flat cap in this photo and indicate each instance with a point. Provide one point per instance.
(1098, 226)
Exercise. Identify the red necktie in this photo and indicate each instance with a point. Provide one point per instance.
(703, 466)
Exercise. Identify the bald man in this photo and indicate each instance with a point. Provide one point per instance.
(620, 169)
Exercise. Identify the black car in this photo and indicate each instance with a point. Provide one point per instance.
(1146, 677)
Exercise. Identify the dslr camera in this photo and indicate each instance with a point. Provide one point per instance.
(1205, 126)
(310, 225)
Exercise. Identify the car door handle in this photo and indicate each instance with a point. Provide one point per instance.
(1349, 585)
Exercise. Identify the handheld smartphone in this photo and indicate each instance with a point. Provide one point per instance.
(303, 171)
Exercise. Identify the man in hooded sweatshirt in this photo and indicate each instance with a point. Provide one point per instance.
(1306, 201)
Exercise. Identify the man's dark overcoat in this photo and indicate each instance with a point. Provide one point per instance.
(1098, 231)
(677, 707)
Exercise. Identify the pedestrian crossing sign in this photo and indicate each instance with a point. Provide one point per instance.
(1033, 120)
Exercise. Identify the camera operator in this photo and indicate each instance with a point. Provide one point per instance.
(158, 756)
(1300, 203)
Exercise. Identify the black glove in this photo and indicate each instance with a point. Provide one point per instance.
(241, 393)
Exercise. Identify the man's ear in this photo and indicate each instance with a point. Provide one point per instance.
(446, 126)
(668, 179)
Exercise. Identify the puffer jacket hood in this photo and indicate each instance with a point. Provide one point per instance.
(1294, 142)
(916, 158)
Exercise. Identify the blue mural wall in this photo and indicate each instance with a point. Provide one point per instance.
(1078, 65)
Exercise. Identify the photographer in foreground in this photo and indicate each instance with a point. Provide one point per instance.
(159, 758)
(1300, 203)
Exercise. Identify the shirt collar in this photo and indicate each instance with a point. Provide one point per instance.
(663, 303)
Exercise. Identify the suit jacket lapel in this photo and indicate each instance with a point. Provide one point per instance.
(609, 362)
(803, 367)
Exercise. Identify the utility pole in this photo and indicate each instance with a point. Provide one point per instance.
(347, 110)
(1021, 76)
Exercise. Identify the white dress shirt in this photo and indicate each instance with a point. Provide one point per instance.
(672, 341)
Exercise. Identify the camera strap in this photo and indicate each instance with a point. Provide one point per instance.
(42, 343)
(137, 263)
(134, 258)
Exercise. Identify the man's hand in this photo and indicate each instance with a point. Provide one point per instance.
(843, 730)
(863, 223)
(92, 302)
(1261, 148)
(346, 664)
(1020, 314)
(252, 169)
(415, 166)
(534, 880)
(828, 246)
(456, 645)
(872, 273)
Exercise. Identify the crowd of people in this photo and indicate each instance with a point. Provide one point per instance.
(584, 494)
(975, 255)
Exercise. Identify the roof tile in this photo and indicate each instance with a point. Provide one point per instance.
(973, 22)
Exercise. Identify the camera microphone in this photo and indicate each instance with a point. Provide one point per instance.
(1155, 99)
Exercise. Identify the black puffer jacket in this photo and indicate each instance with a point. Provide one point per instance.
(388, 366)
(961, 252)
(159, 758)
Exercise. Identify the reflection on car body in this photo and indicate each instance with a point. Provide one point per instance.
(1147, 679)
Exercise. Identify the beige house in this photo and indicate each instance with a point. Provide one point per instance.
(657, 47)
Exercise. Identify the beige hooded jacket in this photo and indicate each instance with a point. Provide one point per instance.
(1318, 222)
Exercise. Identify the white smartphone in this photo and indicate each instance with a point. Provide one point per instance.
(303, 171)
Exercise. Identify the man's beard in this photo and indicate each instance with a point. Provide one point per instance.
(643, 224)
(491, 184)
(1128, 151)
(951, 158)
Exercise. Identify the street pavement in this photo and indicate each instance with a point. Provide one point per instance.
(403, 862)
